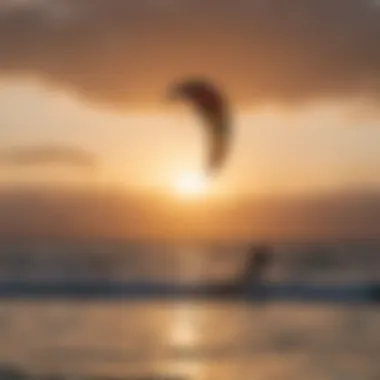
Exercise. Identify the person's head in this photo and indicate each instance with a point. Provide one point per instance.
(261, 254)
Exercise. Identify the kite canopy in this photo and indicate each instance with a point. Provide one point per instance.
(209, 102)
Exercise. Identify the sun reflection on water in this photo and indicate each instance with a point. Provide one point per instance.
(186, 327)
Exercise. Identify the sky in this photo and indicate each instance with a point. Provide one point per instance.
(302, 77)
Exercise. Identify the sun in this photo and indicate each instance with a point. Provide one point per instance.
(191, 185)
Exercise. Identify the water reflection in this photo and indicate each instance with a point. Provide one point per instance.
(112, 339)
(199, 340)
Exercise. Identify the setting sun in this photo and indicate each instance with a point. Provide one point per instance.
(191, 185)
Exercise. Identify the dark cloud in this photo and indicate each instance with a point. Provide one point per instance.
(38, 155)
(110, 213)
(125, 53)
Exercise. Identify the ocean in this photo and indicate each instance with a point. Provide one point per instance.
(197, 339)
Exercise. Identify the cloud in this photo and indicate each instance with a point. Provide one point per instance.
(38, 155)
(41, 213)
(125, 53)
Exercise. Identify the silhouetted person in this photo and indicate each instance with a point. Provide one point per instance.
(259, 258)
(258, 261)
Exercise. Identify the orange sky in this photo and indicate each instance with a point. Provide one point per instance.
(310, 149)
(92, 76)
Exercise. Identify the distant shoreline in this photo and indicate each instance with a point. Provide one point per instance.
(116, 290)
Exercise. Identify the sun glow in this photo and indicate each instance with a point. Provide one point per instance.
(191, 185)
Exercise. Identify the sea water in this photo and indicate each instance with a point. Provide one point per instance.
(194, 340)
